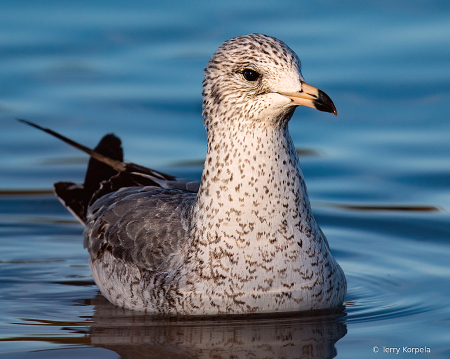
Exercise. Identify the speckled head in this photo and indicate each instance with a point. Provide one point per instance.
(256, 78)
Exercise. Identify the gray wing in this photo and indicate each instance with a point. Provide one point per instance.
(146, 226)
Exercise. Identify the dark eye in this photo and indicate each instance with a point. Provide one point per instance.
(250, 75)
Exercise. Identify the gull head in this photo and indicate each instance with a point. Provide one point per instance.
(256, 79)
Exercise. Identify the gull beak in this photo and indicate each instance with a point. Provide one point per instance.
(311, 97)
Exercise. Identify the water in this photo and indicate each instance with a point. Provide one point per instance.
(378, 175)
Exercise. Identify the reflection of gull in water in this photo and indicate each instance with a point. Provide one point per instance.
(132, 335)
(248, 241)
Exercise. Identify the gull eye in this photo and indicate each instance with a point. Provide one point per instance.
(250, 75)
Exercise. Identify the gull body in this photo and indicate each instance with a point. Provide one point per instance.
(245, 240)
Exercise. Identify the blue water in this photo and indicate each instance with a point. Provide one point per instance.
(378, 175)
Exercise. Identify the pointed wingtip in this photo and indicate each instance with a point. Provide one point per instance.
(117, 165)
(28, 123)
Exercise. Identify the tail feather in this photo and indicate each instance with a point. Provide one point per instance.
(109, 146)
(71, 195)
(76, 197)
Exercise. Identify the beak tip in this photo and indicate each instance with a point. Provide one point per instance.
(334, 110)
(324, 103)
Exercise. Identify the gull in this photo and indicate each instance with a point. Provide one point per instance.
(243, 240)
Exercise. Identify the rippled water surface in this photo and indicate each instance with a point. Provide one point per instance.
(378, 175)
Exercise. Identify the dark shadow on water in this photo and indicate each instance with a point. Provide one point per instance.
(301, 152)
(133, 334)
(381, 208)
(136, 335)
(25, 192)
